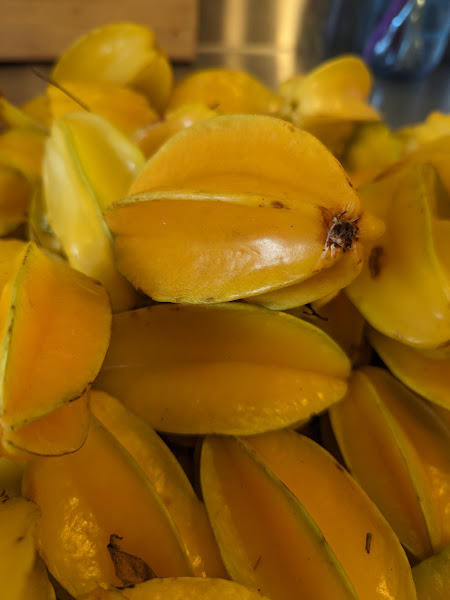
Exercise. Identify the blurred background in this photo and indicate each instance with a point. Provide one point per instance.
(405, 42)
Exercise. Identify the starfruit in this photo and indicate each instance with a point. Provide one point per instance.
(23, 575)
(171, 483)
(37, 109)
(23, 149)
(122, 53)
(330, 100)
(38, 227)
(371, 149)
(432, 577)
(426, 372)
(403, 290)
(398, 448)
(88, 164)
(188, 588)
(435, 153)
(150, 137)
(230, 368)
(15, 197)
(11, 473)
(59, 432)
(435, 126)
(267, 538)
(326, 283)
(362, 540)
(16, 118)
(55, 327)
(124, 108)
(103, 523)
(235, 206)
(225, 90)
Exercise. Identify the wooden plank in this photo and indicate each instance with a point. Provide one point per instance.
(39, 30)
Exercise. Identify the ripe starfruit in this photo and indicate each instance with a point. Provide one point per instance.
(37, 109)
(88, 164)
(330, 101)
(121, 53)
(124, 108)
(61, 431)
(426, 372)
(435, 126)
(435, 153)
(267, 538)
(403, 290)
(187, 588)
(236, 206)
(152, 136)
(372, 149)
(55, 326)
(225, 90)
(15, 197)
(23, 149)
(23, 575)
(432, 577)
(398, 448)
(102, 521)
(17, 118)
(171, 483)
(363, 542)
(229, 368)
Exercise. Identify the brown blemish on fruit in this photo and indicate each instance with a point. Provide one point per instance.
(368, 542)
(258, 560)
(278, 204)
(339, 467)
(375, 261)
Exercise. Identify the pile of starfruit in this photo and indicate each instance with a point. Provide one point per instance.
(225, 336)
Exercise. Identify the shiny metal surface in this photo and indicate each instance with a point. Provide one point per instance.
(273, 40)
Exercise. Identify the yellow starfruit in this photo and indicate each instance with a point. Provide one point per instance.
(229, 368)
(225, 90)
(122, 53)
(398, 448)
(236, 206)
(330, 100)
(88, 164)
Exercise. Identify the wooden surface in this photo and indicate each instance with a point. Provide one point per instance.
(39, 30)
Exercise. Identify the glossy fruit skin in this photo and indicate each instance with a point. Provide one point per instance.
(222, 225)
(88, 496)
(403, 289)
(170, 481)
(221, 368)
(55, 323)
(267, 538)
(432, 577)
(330, 100)
(22, 572)
(175, 588)
(398, 448)
(345, 514)
(121, 53)
(88, 164)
